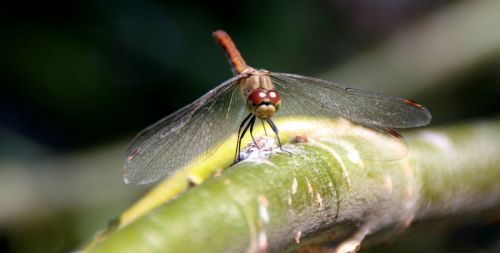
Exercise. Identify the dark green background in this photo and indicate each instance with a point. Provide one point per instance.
(82, 75)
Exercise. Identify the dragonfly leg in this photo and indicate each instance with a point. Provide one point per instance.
(275, 130)
(264, 127)
(249, 123)
(252, 122)
(240, 136)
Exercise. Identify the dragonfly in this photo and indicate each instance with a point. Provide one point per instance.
(252, 95)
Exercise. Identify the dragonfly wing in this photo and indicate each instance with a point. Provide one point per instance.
(185, 136)
(374, 141)
(365, 107)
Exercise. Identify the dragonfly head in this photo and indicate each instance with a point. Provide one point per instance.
(264, 103)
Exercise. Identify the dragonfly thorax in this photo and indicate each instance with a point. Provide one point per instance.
(256, 79)
(263, 103)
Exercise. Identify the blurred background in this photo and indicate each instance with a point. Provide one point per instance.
(80, 78)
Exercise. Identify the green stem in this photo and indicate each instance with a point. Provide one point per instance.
(324, 194)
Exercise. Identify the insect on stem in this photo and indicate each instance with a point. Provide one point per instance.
(233, 55)
(148, 161)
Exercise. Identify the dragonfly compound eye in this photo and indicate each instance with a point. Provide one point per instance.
(274, 97)
(257, 97)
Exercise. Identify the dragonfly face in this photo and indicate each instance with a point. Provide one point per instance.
(264, 103)
(262, 99)
(194, 132)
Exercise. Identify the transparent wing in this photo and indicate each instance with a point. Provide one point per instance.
(182, 137)
(328, 102)
(365, 107)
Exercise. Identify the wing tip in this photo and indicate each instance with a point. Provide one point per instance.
(126, 180)
(134, 179)
(426, 114)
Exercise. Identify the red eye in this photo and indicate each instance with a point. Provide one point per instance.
(273, 96)
(257, 96)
